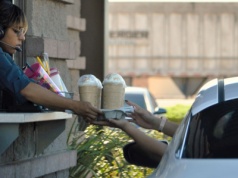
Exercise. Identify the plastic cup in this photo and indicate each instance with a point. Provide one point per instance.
(37, 73)
(90, 94)
(99, 94)
(90, 90)
(54, 75)
(63, 85)
(113, 91)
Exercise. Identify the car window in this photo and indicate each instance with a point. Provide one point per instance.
(136, 98)
(180, 135)
(154, 104)
(213, 133)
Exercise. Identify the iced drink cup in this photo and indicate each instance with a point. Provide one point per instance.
(99, 94)
(90, 90)
(113, 91)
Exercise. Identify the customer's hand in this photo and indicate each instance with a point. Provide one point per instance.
(116, 123)
(141, 116)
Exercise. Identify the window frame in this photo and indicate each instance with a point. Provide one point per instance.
(20, 57)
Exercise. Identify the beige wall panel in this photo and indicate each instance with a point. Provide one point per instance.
(176, 64)
(183, 38)
(210, 64)
(124, 22)
(210, 35)
(193, 64)
(112, 50)
(111, 65)
(143, 45)
(141, 22)
(158, 35)
(228, 65)
(227, 35)
(125, 64)
(112, 22)
(192, 42)
(125, 50)
(141, 50)
(141, 65)
(158, 65)
(175, 38)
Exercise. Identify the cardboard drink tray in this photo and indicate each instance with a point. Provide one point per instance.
(119, 113)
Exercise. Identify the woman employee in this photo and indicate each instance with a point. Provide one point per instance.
(13, 27)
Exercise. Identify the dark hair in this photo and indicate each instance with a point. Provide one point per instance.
(11, 15)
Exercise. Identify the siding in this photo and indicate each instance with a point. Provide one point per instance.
(183, 39)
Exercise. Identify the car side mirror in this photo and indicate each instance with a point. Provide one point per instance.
(160, 111)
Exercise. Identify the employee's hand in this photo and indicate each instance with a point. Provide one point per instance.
(42, 96)
(141, 116)
(87, 111)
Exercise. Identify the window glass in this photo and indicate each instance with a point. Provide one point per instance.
(180, 134)
(153, 100)
(213, 133)
(136, 98)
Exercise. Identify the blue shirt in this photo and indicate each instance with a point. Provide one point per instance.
(12, 77)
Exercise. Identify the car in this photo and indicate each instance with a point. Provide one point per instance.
(206, 142)
(143, 97)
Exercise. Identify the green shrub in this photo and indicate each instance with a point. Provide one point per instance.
(177, 113)
(100, 154)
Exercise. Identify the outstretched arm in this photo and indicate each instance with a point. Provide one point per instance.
(39, 95)
(147, 143)
(144, 141)
(147, 120)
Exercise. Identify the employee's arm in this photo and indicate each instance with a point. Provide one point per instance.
(42, 96)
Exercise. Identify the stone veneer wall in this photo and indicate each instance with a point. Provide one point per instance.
(54, 27)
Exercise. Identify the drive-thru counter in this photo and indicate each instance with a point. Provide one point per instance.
(35, 143)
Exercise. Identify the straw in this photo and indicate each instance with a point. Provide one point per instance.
(40, 62)
(29, 67)
(46, 62)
